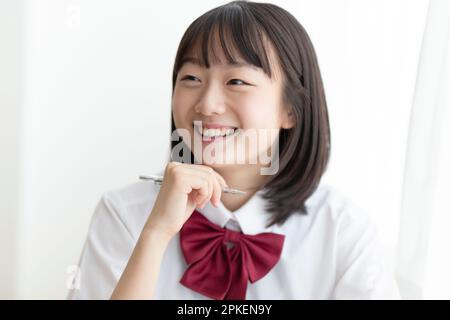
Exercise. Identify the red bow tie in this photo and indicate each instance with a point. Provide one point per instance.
(219, 272)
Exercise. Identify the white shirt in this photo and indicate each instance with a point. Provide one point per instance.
(334, 252)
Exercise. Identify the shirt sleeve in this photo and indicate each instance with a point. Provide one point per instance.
(363, 271)
(105, 253)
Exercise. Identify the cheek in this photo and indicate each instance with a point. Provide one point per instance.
(181, 104)
(259, 110)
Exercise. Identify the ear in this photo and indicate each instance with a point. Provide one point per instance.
(288, 120)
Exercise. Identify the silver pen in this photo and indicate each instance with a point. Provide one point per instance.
(159, 179)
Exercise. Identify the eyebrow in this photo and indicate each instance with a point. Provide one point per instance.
(196, 62)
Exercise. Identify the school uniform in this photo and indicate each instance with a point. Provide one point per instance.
(333, 252)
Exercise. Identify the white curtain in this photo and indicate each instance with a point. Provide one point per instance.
(424, 237)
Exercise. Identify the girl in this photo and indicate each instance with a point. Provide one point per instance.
(240, 68)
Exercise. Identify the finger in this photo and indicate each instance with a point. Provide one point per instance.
(207, 188)
(211, 189)
(215, 184)
(172, 164)
(200, 185)
(214, 187)
(217, 194)
(222, 181)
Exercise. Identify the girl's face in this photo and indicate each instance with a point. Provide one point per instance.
(224, 97)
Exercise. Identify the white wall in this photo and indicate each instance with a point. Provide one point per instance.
(11, 35)
(95, 107)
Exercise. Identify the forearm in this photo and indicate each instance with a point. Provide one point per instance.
(138, 280)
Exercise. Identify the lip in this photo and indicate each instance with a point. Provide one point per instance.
(217, 126)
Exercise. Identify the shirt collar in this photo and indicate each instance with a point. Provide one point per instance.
(251, 217)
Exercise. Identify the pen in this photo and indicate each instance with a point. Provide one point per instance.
(159, 179)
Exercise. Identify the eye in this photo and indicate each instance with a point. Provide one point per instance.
(237, 82)
(190, 77)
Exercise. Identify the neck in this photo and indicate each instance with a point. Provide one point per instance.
(243, 177)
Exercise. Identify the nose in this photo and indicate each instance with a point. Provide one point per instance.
(211, 101)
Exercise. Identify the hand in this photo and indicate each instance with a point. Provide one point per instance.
(184, 187)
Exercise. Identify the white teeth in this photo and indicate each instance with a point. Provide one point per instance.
(206, 132)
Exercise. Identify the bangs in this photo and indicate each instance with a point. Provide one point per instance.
(229, 32)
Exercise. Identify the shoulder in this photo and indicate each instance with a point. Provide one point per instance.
(132, 194)
(330, 205)
(130, 204)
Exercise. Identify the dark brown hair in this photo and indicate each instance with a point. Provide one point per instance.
(242, 28)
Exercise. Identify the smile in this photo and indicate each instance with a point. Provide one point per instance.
(211, 134)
